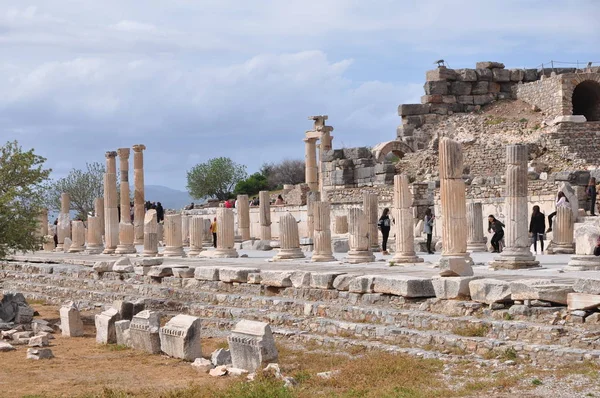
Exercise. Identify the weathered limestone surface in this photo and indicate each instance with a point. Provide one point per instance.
(251, 344)
(453, 287)
(94, 235)
(71, 324)
(105, 326)
(582, 301)
(341, 224)
(489, 291)
(404, 222)
(243, 208)
(99, 212)
(138, 193)
(264, 215)
(78, 237)
(144, 331)
(517, 253)
(185, 230)
(126, 229)
(311, 198)
(562, 233)
(586, 236)
(196, 235)
(587, 285)
(322, 233)
(48, 243)
(150, 234)
(403, 285)
(476, 241)
(289, 239)
(360, 245)
(310, 159)
(173, 236)
(180, 337)
(370, 206)
(122, 330)
(455, 266)
(540, 289)
(63, 229)
(111, 212)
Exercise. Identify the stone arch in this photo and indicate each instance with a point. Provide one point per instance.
(398, 148)
(586, 100)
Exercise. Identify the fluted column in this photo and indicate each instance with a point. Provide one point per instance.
(311, 198)
(63, 228)
(151, 237)
(126, 230)
(243, 214)
(207, 235)
(322, 234)
(99, 212)
(185, 229)
(225, 235)
(517, 253)
(196, 235)
(341, 224)
(404, 222)
(310, 159)
(562, 233)
(94, 235)
(475, 238)
(139, 209)
(370, 204)
(111, 212)
(173, 236)
(358, 239)
(78, 237)
(289, 239)
(264, 215)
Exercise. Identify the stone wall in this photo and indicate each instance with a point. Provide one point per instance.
(546, 94)
(354, 167)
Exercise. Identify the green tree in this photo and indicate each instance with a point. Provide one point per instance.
(83, 186)
(252, 185)
(215, 178)
(21, 197)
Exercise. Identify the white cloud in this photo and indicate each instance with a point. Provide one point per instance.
(133, 26)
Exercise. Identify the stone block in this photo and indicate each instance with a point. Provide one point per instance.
(160, 271)
(489, 65)
(203, 365)
(38, 341)
(582, 301)
(493, 88)
(413, 109)
(147, 261)
(251, 344)
(455, 266)
(466, 75)
(489, 291)
(125, 309)
(483, 99)
(183, 272)
(323, 280)
(359, 152)
(540, 289)
(449, 99)
(103, 266)
(587, 285)
(403, 285)
(569, 119)
(220, 357)
(452, 288)
(460, 88)
(206, 273)
(432, 99)
(506, 87)
(24, 314)
(441, 73)
(122, 265)
(517, 75)
(480, 88)
(362, 284)
(484, 74)
(530, 75)
(465, 99)
(39, 353)
(586, 237)
(342, 282)
(5, 347)
(71, 324)
(144, 331)
(254, 278)
(276, 278)
(332, 154)
(300, 279)
(405, 131)
(180, 337)
(123, 333)
(440, 109)
(416, 121)
(341, 245)
(436, 87)
(234, 274)
(105, 326)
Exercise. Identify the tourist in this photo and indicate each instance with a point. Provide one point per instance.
(561, 201)
(597, 248)
(160, 212)
(227, 204)
(384, 224)
(428, 228)
(255, 201)
(591, 194)
(213, 230)
(279, 201)
(131, 210)
(537, 225)
(55, 230)
(189, 207)
(496, 227)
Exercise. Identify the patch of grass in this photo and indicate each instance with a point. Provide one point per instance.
(588, 369)
(507, 316)
(509, 354)
(523, 120)
(536, 382)
(38, 302)
(472, 330)
(492, 121)
(115, 347)
(391, 263)
(536, 127)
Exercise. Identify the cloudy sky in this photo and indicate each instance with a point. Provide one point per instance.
(195, 79)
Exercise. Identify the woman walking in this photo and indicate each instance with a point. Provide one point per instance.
(561, 201)
(498, 228)
(384, 225)
(537, 225)
(591, 192)
(428, 228)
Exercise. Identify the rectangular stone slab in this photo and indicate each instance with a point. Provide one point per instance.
(405, 286)
(207, 273)
(233, 274)
(582, 301)
(540, 290)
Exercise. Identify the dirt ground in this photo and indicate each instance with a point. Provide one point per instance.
(81, 366)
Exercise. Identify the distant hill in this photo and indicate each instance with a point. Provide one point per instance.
(170, 198)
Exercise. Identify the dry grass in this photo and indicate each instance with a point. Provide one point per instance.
(472, 330)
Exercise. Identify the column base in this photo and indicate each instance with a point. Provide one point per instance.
(477, 247)
(109, 250)
(94, 249)
(138, 242)
(288, 254)
(171, 251)
(125, 249)
(220, 253)
(514, 262)
(76, 249)
(406, 258)
(583, 262)
(194, 252)
(60, 248)
(560, 248)
(359, 256)
(322, 258)
(147, 253)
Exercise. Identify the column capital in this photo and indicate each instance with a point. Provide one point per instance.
(123, 153)
(310, 140)
(110, 154)
(138, 147)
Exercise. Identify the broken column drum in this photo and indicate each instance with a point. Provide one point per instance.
(370, 204)
(289, 239)
(404, 222)
(322, 235)
(185, 230)
(476, 241)
(310, 159)
(264, 215)
(94, 236)
(358, 239)
(111, 211)
(126, 231)
(139, 201)
(63, 228)
(173, 236)
(225, 235)
(196, 235)
(99, 212)
(517, 253)
(150, 234)
(243, 209)
(562, 234)
(78, 237)
(311, 198)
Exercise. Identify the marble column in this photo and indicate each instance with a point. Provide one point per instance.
(322, 235)
(173, 236)
(63, 229)
(207, 236)
(341, 224)
(185, 229)
(139, 202)
(94, 235)
(370, 204)
(126, 230)
(151, 237)
(264, 215)
(453, 205)
(517, 253)
(99, 212)
(475, 238)
(289, 239)
(358, 239)
(225, 235)
(196, 235)
(42, 230)
(310, 158)
(562, 232)
(243, 214)
(78, 237)
(404, 222)
(111, 212)
(311, 198)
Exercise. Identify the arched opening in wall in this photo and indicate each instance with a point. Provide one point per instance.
(586, 100)
(394, 156)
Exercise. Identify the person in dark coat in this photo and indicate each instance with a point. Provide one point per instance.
(385, 224)
(498, 228)
(591, 193)
(160, 212)
(537, 225)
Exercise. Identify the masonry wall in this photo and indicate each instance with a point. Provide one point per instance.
(546, 94)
